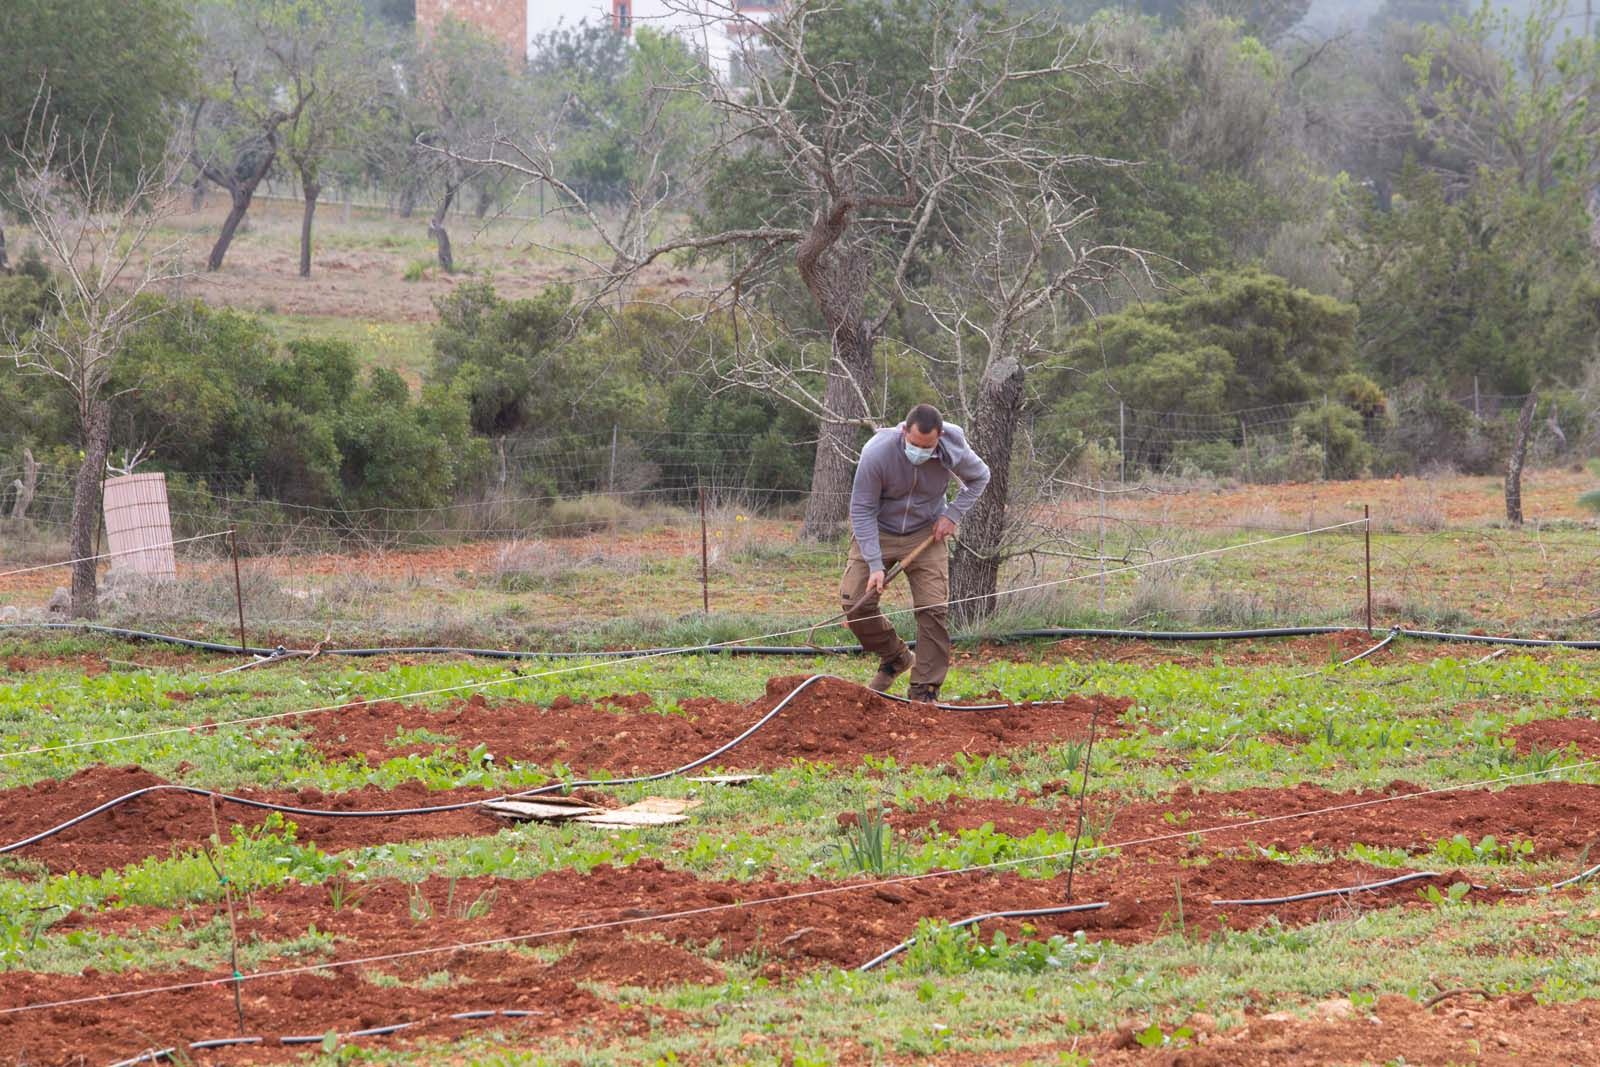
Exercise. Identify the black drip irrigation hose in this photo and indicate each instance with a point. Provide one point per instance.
(1581, 876)
(436, 809)
(1259, 902)
(1026, 913)
(731, 649)
(157, 1055)
(1250, 902)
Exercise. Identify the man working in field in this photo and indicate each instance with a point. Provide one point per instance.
(897, 503)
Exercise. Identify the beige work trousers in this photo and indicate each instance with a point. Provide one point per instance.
(929, 578)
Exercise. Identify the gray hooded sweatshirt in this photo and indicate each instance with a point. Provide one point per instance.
(897, 496)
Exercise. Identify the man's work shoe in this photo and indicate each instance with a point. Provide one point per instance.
(928, 693)
(891, 669)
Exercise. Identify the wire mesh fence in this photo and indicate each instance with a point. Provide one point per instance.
(597, 537)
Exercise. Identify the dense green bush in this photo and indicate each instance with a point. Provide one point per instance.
(1226, 342)
(214, 392)
(531, 371)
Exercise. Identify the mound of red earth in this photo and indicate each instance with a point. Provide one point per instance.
(1558, 817)
(1550, 735)
(832, 721)
(167, 821)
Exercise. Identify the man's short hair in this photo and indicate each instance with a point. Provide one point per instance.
(925, 417)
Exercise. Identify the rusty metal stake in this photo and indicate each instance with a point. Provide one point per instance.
(1366, 510)
(238, 587)
(1083, 795)
(705, 581)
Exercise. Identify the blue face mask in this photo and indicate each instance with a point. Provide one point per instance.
(918, 456)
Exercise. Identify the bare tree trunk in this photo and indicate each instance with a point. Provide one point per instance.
(833, 471)
(240, 197)
(975, 569)
(1519, 456)
(835, 273)
(407, 205)
(5, 264)
(240, 192)
(86, 501)
(27, 485)
(437, 231)
(311, 189)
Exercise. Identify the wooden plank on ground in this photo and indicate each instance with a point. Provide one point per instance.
(542, 810)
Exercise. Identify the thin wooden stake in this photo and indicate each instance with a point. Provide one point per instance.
(705, 580)
(238, 587)
(1366, 510)
(1083, 795)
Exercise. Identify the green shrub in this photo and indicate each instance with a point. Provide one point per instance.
(577, 516)
(1341, 434)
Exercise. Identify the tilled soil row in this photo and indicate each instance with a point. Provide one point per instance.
(832, 721)
(794, 926)
(1560, 818)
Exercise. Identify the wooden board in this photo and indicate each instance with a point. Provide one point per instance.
(651, 811)
(551, 810)
(625, 817)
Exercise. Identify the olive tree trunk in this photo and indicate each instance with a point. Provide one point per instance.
(833, 469)
(1519, 456)
(980, 545)
(441, 236)
(310, 189)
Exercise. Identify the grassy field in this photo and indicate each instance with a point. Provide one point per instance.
(1279, 720)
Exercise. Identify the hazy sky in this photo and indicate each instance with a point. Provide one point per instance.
(544, 14)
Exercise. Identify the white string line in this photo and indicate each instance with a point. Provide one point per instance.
(593, 665)
(109, 555)
(783, 898)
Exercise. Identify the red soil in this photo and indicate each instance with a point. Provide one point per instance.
(169, 821)
(1555, 734)
(301, 1004)
(841, 924)
(1503, 1032)
(1558, 817)
(833, 721)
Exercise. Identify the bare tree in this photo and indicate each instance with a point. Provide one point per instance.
(101, 238)
(858, 167)
(465, 94)
(338, 75)
(257, 59)
(1019, 275)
